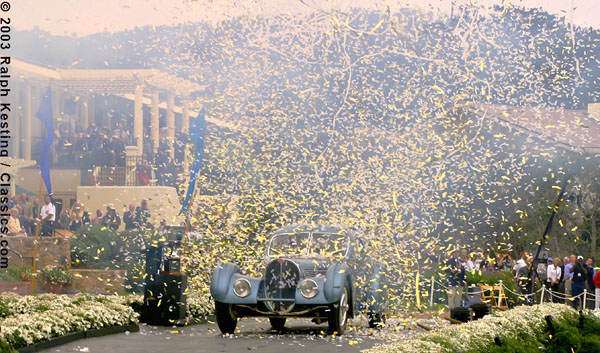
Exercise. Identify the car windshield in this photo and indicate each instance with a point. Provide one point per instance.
(327, 244)
(308, 245)
(289, 244)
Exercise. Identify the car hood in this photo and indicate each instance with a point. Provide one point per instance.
(310, 267)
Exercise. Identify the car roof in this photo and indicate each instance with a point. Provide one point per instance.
(321, 228)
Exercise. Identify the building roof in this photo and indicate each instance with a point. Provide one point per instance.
(105, 81)
(120, 83)
(575, 130)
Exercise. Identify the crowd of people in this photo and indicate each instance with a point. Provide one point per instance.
(26, 215)
(565, 280)
(103, 147)
(91, 147)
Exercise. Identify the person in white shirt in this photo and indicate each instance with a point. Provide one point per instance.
(520, 263)
(464, 260)
(47, 216)
(553, 274)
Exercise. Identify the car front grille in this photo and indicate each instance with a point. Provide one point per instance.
(314, 273)
(281, 280)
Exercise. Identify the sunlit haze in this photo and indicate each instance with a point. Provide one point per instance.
(81, 17)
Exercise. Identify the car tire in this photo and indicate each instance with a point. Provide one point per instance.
(226, 318)
(338, 312)
(277, 323)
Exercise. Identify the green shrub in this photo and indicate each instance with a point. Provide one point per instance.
(573, 335)
(515, 345)
(591, 343)
(493, 278)
(97, 247)
(565, 339)
(4, 310)
(591, 326)
(5, 347)
(16, 274)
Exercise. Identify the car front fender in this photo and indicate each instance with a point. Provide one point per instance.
(334, 281)
(221, 280)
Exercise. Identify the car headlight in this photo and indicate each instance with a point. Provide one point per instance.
(241, 287)
(309, 288)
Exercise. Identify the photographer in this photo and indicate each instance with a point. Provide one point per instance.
(579, 272)
(523, 280)
(456, 280)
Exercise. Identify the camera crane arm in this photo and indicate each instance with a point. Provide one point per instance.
(535, 262)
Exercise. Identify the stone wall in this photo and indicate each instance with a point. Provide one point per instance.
(57, 251)
(64, 182)
(51, 251)
(21, 288)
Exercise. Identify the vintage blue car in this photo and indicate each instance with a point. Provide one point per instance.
(318, 272)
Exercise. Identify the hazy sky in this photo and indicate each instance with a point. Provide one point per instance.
(83, 17)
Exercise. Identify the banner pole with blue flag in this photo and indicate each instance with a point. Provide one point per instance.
(46, 117)
(197, 135)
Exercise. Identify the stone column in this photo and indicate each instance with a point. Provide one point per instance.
(138, 120)
(84, 112)
(130, 163)
(594, 110)
(185, 117)
(56, 106)
(171, 124)
(154, 122)
(91, 105)
(16, 121)
(27, 102)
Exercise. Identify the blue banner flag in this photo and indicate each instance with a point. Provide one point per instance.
(197, 134)
(44, 113)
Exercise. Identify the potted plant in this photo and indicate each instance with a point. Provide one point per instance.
(55, 278)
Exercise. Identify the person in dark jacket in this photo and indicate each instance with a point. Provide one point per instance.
(111, 219)
(129, 218)
(142, 214)
(591, 288)
(456, 279)
(579, 271)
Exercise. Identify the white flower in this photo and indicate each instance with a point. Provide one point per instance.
(34, 319)
(478, 334)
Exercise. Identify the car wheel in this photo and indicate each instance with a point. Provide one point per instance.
(338, 313)
(375, 320)
(277, 323)
(226, 318)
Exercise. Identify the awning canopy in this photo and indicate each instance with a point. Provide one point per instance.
(575, 130)
(105, 81)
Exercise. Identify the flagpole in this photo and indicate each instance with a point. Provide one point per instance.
(187, 230)
(188, 219)
(187, 213)
(197, 135)
(45, 115)
(37, 233)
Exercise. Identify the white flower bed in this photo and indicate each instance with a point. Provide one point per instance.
(479, 334)
(595, 313)
(199, 305)
(33, 319)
